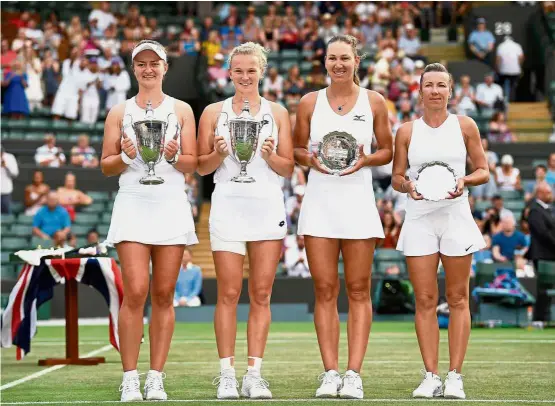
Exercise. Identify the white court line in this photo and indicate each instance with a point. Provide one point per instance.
(379, 362)
(50, 369)
(402, 400)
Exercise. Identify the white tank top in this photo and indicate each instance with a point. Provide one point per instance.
(258, 168)
(129, 179)
(507, 182)
(444, 143)
(359, 122)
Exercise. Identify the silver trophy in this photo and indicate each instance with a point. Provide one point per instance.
(243, 132)
(338, 152)
(151, 135)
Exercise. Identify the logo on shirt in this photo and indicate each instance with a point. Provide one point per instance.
(466, 249)
(281, 223)
(359, 118)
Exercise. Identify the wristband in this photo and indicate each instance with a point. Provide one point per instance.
(125, 158)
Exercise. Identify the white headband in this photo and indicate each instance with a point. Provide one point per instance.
(152, 47)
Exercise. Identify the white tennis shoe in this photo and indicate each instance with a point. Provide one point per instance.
(454, 386)
(255, 387)
(154, 386)
(130, 389)
(352, 386)
(227, 385)
(331, 383)
(430, 387)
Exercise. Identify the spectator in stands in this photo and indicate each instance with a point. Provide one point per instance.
(530, 188)
(19, 40)
(70, 197)
(83, 154)
(294, 82)
(509, 66)
(484, 255)
(498, 203)
(509, 245)
(51, 219)
(492, 221)
(8, 57)
(88, 93)
(487, 190)
(33, 69)
(10, 170)
(391, 230)
(35, 194)
(116, 83)
(328, 29)
(191, 188)
(293, 205)
(49, 154)
(371, 31)
(66, 101)
(499, 130)
(410, 43)
(92, 236)
(271, 23)
(489, 96)
(541, 220)
(465, 97)
(15, 103)
(477, 215)
(104, 16)
(273, 81)
(52, 76)
(211, 46)
(381, 78)
(296, 261)
(481, 42)
(507, 176)
(550, 177)
(251, 26)
(189, 282)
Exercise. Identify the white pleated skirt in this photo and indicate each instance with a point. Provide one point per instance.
(152, 214)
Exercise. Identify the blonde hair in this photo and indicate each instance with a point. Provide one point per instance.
(254, 49)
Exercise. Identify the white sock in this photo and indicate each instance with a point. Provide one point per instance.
(226, 363)
(255, 369)
(130, 374)
(153, 372)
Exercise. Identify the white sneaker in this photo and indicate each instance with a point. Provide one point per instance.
(130, 389)
(454, 386)
(331, 383)
(227, 385)
(352, 386)
(255, 387)
(154, 387)
(430, 387)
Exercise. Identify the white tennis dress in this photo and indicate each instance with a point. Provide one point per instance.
(445, 226)
(341, 207)
(152, 214)
(248, 211)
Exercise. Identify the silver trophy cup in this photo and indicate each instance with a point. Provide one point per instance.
(243, 132)
(151, 135)
(338, 152)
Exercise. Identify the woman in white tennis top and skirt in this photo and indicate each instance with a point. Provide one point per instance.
(443, 229)
(245, 216)
(149, 222)
(339, 214)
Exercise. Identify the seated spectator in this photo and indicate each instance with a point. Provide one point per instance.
(251, 26)
(371, 31)
(7, 57)
(293, 205)
(212, 46)
(487, 190)
(550, 176)
(540, 175)
(294, 82)
(70, 197)
(391, 230)
(510, 244)
(481, 42)
(52, 219)
(189, 282)
(499, 204)
(388, 41)
(49, 154)
(328, 29)
(477, 215)
(93, 237)
(380, 80)
(83, 154)
(35, 194)
(191, 188)
(15, 103)
(273, 81)
(219, 76)
(10, 170)
(498, 130)
(270, 26)
(464, 97)
(489, 96)
(507, 176)
(296, 260)
(492, 221)
(410, 43)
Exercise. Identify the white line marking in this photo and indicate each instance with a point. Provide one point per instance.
(402, 400)
(378, 362)
(50, 369)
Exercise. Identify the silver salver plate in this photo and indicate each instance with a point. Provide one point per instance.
(435, 180)
(338, 152)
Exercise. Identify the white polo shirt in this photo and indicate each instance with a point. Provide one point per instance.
(509, 52)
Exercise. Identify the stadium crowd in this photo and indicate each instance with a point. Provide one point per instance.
(77, 70)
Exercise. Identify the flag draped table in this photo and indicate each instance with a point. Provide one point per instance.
(35, 286)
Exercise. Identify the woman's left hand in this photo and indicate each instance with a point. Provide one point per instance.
(171, 149)
(362, 161)
(267, 148)
(458, 190)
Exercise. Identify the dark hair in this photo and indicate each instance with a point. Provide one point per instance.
(436, 67)
(541, 166)
(353, 42)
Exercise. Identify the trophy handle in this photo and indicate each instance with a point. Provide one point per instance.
(123, 126)
(218, 120)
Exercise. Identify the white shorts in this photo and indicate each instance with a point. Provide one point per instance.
(451, 231)
(238, 247)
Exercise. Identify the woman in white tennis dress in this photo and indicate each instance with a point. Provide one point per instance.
(339, 214)
(443, 229)
(149, 222)
(245, 216)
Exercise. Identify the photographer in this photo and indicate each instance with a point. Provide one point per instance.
(49, 154)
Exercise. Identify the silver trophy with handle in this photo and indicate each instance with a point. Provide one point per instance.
(151, 135)
(243, 133)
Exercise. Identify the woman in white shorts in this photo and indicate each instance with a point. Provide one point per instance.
(444, 229)
(245, 216)
(149, 222)
(339, 213)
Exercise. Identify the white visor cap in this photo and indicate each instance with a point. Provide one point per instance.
(152, 47)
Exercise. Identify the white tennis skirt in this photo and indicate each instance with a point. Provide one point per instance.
(152, 214)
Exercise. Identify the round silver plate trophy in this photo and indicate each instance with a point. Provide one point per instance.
(151, 135)
(243, 133)
(337, 152)
(435, 180)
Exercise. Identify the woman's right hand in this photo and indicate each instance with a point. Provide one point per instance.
(315, 163)
(410, 187)
(220, 146)
(128, 147)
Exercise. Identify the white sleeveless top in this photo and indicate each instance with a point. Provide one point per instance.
(444, 143)
(507, 182)
(248, 211)
(129, 179)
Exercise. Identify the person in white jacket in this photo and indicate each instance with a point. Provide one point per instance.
(88, 91)
(10, 170)
(117, 83)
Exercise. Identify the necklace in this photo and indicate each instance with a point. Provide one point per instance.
(340, 107)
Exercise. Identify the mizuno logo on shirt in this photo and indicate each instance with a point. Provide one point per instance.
(359, 118)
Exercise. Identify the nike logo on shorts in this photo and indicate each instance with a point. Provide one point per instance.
(466, 249)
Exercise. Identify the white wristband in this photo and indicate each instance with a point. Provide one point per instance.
(126, 159)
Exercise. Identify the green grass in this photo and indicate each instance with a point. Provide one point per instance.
(502, 364)
(244, 151)
(149, 155)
